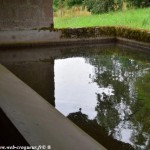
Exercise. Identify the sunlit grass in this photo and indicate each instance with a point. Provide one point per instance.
(136, 18)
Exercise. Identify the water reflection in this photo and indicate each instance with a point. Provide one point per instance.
(104, 90)
(98, 132)
(74, 88)
(38, 75)
(108, 89)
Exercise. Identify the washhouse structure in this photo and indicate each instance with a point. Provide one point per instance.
(27, 119)
(29, 40)
(25, 14)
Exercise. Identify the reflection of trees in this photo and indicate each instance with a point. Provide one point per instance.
(97, 132)
(141, 119)
(120, 109)
(141, 131)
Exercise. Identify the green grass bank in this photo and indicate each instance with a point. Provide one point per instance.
(135, 18)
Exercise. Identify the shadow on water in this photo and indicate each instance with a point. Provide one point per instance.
(97, 132)
(9, 135)
(110, 85)
(38, 75)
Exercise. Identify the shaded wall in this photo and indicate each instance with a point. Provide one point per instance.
(25, 14)
(38, 75)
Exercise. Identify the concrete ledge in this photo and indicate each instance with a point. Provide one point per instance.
(133, 44)
(10, 132)
(67, 37)
(35, 38)
(37, 121)
(31, 36)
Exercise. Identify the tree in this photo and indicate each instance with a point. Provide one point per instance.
(101, 6)
(58, 4)
(104, 6)
(139, 3)
(71, 3)
(89, 4)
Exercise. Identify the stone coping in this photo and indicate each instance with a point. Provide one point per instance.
(66, 37)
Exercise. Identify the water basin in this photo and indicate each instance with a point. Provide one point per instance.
(104, 90)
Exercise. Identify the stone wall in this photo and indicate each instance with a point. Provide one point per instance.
(25, 14)
(29, 72)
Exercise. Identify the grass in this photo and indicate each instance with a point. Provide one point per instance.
(72, 12)
(135, 18)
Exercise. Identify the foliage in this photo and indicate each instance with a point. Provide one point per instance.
(99, 6)
(71, 3)
(88, 4)
(103, 6)
(57, 4)
(139, 3)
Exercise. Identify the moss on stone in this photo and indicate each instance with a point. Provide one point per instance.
(135, 34)
(90, 32)
(93, 32)
(104, 31)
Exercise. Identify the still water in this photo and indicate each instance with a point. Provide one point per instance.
(108, 96)
(104, 90)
